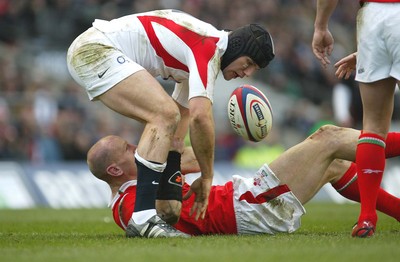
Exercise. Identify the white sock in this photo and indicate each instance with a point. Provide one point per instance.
(153, 166)
(142, 216)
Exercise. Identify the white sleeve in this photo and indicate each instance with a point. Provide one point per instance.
(181, 93)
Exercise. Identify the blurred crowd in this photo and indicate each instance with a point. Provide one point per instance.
(45, 116)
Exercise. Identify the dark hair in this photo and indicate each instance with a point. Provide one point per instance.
(250, 40)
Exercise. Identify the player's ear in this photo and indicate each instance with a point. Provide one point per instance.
(114, 170)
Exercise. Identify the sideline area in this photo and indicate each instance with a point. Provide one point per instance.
(71, 185)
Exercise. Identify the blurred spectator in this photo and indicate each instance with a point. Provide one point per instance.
(347, 105)
(44, 117)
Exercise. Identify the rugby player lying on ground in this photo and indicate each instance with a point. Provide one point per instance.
(269, 202)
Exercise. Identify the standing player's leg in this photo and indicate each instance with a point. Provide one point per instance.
(377, 100)
(141, 97)
(125, 87)
(169, 194)
(346, 183)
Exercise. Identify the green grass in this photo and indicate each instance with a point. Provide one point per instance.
(90, 235)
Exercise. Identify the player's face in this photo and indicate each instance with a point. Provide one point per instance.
(127, 158)
(243, 66)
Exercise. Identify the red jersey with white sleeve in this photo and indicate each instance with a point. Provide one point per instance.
(219, 219)
(171, 44)
(260, 204)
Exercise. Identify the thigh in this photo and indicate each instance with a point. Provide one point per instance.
(96, 64)
(303, 167)
(140, 96)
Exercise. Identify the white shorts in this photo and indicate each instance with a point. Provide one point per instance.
(263, 205)
(378, 38)
(96, 65)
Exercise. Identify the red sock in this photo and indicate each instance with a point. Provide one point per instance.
(347, 186)
(392, 145)
(370, 160)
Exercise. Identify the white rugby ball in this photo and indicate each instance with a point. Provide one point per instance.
(250, 113)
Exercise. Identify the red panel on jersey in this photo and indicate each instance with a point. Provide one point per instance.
(123, 208)
(203, 47)
(265, 196)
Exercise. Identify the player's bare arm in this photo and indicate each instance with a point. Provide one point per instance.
(189, 163)
(202, 137)
(178, 142)
(322, 43)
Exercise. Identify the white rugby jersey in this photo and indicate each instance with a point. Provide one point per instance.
(171, 44)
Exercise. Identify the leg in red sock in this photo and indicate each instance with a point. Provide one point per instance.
(370, 160)
(347, 186)
(392, 145)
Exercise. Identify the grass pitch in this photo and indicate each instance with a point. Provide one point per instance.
(90, 235)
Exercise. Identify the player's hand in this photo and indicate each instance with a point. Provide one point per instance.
(201, 188)
(322, 46)
(346, 66)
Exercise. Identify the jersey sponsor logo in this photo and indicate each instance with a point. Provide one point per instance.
(100, 75)
(257, 181)
(371, 171)
(121, 59)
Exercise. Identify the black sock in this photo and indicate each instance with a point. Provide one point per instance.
(146, 190)
(170, 187)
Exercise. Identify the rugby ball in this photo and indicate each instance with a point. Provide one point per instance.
(250, 113)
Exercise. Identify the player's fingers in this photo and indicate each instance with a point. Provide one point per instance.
(196, 211)
(348, 74)
(192, 210)
(197, 215)
(329, 49)
(339, 73)
(341, 70)
(319, 54)
(203, 214)
(326, 62)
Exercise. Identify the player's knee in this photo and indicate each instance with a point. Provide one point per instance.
(170, 115)
(166, 119)
(327, 133)
(336, 142)
(328, 137)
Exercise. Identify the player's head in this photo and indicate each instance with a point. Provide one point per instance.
(112, 159)
(250, 40)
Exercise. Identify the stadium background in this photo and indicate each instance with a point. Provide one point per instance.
(47, 123)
